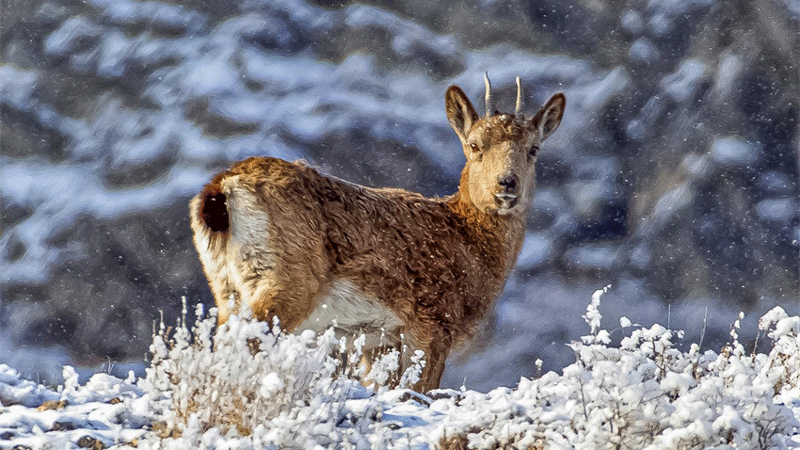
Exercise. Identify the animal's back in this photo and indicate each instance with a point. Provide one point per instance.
(314, 250)
(419, 256)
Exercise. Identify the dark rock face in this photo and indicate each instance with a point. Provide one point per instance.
(675, 171)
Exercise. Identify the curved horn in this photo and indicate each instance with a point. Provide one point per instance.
(488, 101)
(518, 108)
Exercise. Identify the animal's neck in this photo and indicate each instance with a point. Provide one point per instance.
(506, 232)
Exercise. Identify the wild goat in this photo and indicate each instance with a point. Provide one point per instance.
(409, 272)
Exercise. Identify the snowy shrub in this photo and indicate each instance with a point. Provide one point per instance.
(646, 394)
(240, 374)
(244, 377)
(245, 385)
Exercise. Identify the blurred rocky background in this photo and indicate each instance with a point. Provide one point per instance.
(674, 177)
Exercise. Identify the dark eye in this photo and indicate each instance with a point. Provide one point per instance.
(533, 150)
(474, 147)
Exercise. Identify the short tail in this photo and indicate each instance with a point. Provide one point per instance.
(214, 208)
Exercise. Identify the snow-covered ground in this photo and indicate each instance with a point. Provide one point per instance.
(674, 175)
(630, 388)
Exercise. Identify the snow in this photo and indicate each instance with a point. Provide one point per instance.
(733, 151)
(406, 35)
(307, 96)
(728, 69)
(79, 190)
(643, 49)
(17, 85)
(640, 393)
(291, 101)
(776, 209)
(537, 250)
(632, 22)
(164, 15)
(70, 34)
(592, 257)
(683, 84)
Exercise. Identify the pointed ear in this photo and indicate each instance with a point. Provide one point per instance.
(549, 117)
(460, 113)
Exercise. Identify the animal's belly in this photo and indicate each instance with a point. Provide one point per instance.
(353, 313)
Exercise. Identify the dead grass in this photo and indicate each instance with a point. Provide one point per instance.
(460, 441)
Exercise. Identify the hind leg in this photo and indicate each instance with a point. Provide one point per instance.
(435, 349)
(290, 301)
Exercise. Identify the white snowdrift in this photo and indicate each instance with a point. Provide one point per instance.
(244, 386)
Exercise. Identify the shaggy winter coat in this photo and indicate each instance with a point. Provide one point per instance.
(409, 272)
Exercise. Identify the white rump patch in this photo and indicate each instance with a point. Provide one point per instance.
(248, 222)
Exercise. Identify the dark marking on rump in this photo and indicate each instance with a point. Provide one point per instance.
(214, 211)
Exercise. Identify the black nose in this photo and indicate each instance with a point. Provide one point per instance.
(509, 183)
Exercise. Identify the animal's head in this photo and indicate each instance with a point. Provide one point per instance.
(501, 149)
